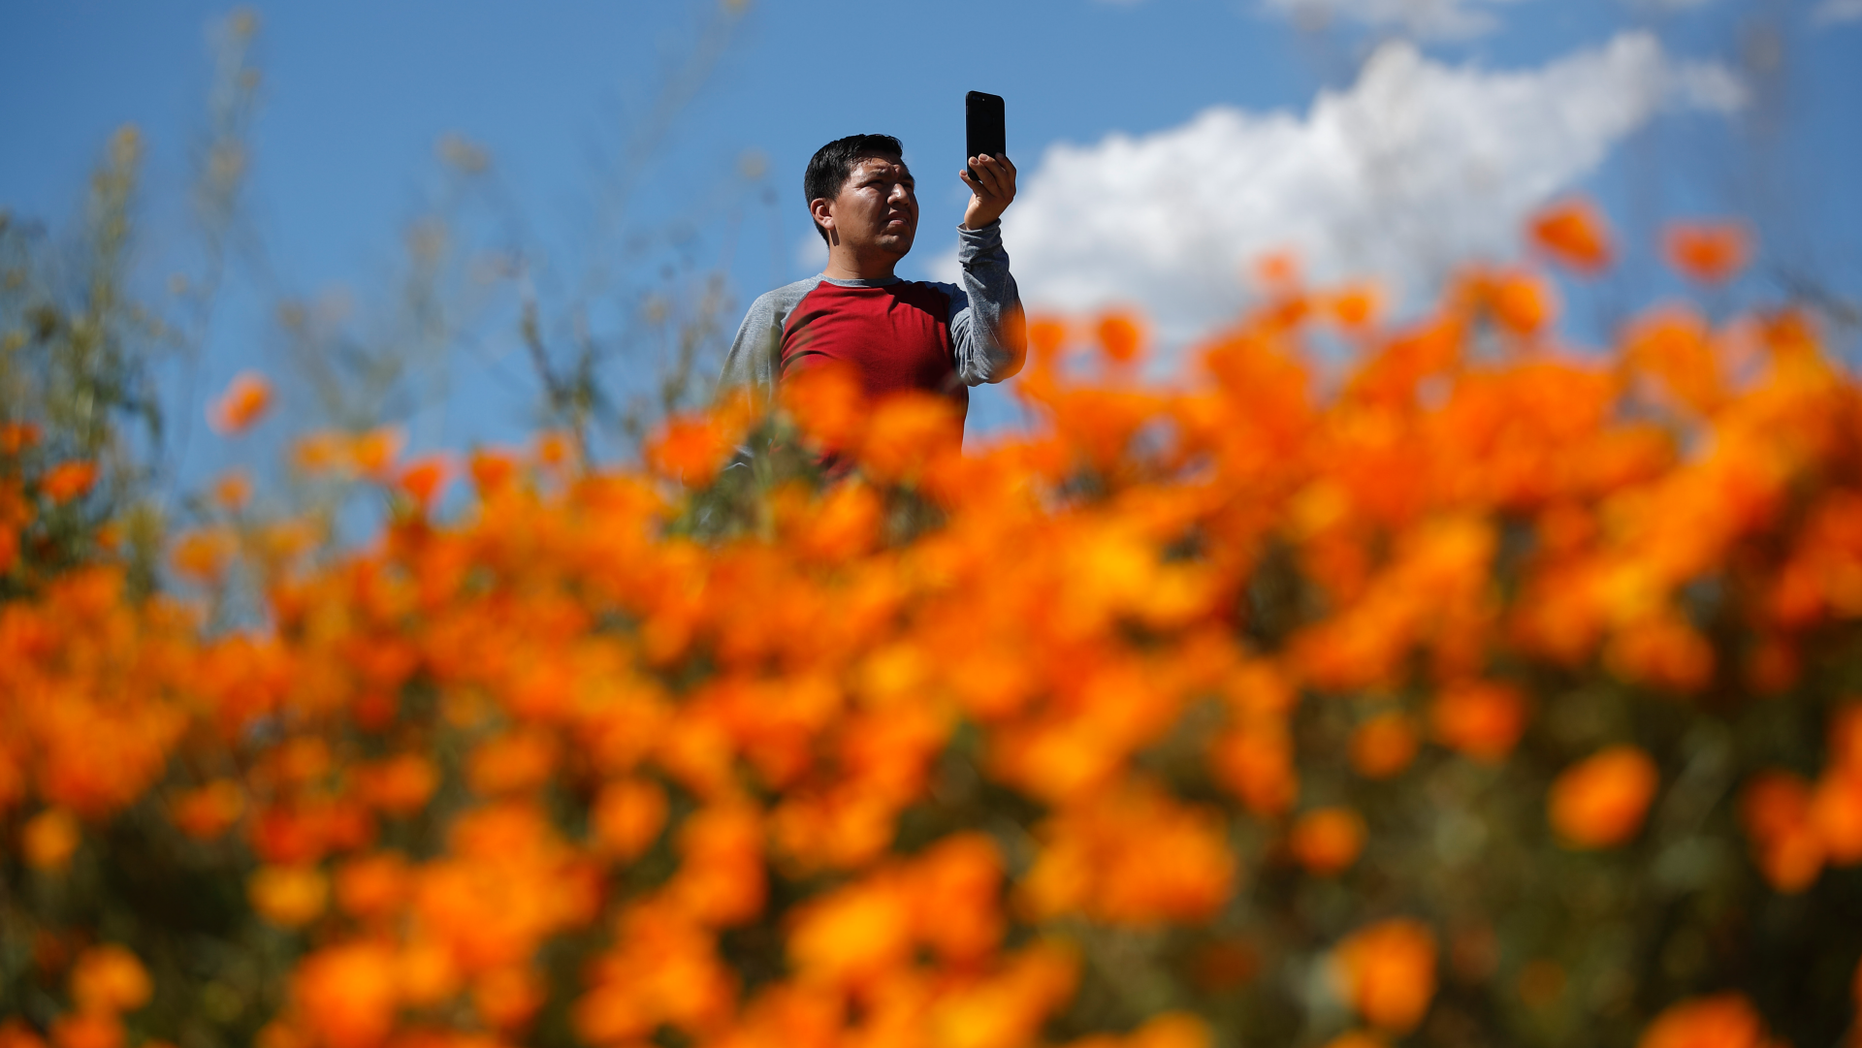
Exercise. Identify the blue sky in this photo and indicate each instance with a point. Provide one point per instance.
(355, 95)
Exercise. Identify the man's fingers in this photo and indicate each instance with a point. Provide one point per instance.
(1000, 175)
(992, 181)
(1005, 176)
(982, 185)
(989, 172)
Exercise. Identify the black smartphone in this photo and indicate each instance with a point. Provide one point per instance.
(984, 133)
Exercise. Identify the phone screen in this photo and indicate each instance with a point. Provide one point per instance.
(985, 133)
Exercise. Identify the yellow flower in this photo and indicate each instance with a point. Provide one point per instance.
(289, 896)
(50, 838)
(109, 978)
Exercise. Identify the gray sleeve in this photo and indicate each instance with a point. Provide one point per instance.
(752, 358)
(755, 356)
(987, 332)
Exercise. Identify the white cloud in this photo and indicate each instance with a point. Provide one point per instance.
(1443, 19)
(1416, 167)
(1831, 11)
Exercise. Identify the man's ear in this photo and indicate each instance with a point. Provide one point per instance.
(823, 210)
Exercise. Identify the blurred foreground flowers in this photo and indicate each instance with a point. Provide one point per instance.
(1481, 692)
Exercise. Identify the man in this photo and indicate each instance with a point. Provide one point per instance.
(895, 334)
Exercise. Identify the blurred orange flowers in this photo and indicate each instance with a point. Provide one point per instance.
(1387, 973)
(109, 978)
(50, 838)
(1327, 840)
(1384, 745)
(1573, 231)
(1600, 801)
(1725, 1020)
(246, 399)
(16, 437)
(68, 480)
(289, 896)
(1709, 252)
(1481, 719)
(934, 752)
(1119, 336)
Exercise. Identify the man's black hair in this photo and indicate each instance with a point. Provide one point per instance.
(833, 165)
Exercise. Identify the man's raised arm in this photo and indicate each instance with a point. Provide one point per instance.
(987, 331)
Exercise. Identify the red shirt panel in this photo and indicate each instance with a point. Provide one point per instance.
(896, 337)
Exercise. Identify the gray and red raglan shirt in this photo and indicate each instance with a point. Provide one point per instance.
(895, 334)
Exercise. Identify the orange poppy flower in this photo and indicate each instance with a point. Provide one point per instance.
(491, 470)
(68, 480)
(1277, 271)
(399, 785)
(373, 886)
(288, 896)
(426, 477)
(232, 490)
(1327, 840)
(1355, 306)
(50, 838)
(245, 401)
(14, 1033)
(690, 449)
(1777, 811)
(88, 1030)
(1521, 302)
(16, 437)
(347, 993)
(109, 978)
(1600, 801)
(1573, 231)
(1383, 745)
(211, 810)
(1725, 1020)
(828, 406)
(1481, 719)
(908, 434)
(375, 451)
(1387, 972)
(1046, 336)
(627, 817)
(1836, 811)
(1711, 252)
(1119, 337)
(508, 997)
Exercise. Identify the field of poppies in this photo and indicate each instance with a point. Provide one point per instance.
(1450, 685)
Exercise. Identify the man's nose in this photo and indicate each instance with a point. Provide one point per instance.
(901, 192)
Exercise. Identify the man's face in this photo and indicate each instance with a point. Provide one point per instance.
(878, 207)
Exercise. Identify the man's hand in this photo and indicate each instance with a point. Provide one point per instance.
(991, 191)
